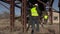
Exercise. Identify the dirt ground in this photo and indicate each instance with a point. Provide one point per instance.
(47, 29)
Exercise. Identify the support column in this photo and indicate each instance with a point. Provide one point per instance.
(51, 14)
(59, 10)
(50, 11)
(12, 15)
(24, 15)
(59, 13)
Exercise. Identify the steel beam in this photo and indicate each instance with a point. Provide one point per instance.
(59, 15)
(51, 14)
(50, 11)
(59, 11)
(12, 14)
(24, 15)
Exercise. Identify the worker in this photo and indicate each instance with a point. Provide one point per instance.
(45, 19)
(34, 18)
(40, 6)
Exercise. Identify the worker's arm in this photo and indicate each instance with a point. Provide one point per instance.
(41, 2)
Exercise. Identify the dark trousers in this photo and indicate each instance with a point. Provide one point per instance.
(33, 21)
(45, 21)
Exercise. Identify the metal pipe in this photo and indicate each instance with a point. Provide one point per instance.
(12, 15)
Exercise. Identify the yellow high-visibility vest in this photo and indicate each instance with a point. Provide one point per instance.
(34, 12)
(45, 17)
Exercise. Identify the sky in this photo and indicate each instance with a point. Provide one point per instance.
(18, 11)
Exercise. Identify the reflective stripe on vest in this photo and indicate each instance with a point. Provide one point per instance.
(34, 11)
(45, 17)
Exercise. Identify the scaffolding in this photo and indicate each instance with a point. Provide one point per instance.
(23, 14)
(12, 14)
(24, 18)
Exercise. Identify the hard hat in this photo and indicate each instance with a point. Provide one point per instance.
(36, 4)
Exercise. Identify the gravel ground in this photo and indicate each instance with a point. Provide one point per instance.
(47, 29)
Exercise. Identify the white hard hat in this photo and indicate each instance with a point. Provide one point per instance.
(36, 4)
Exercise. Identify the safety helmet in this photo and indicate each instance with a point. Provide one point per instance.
(35, 4)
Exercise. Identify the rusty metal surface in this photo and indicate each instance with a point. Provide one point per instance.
(12, 14)
(50, 11)
(24, 14)
(59, 10)
(51, 14)
(59, 13)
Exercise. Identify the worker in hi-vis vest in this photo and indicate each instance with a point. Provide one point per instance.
(45, 19)
(34, 18)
